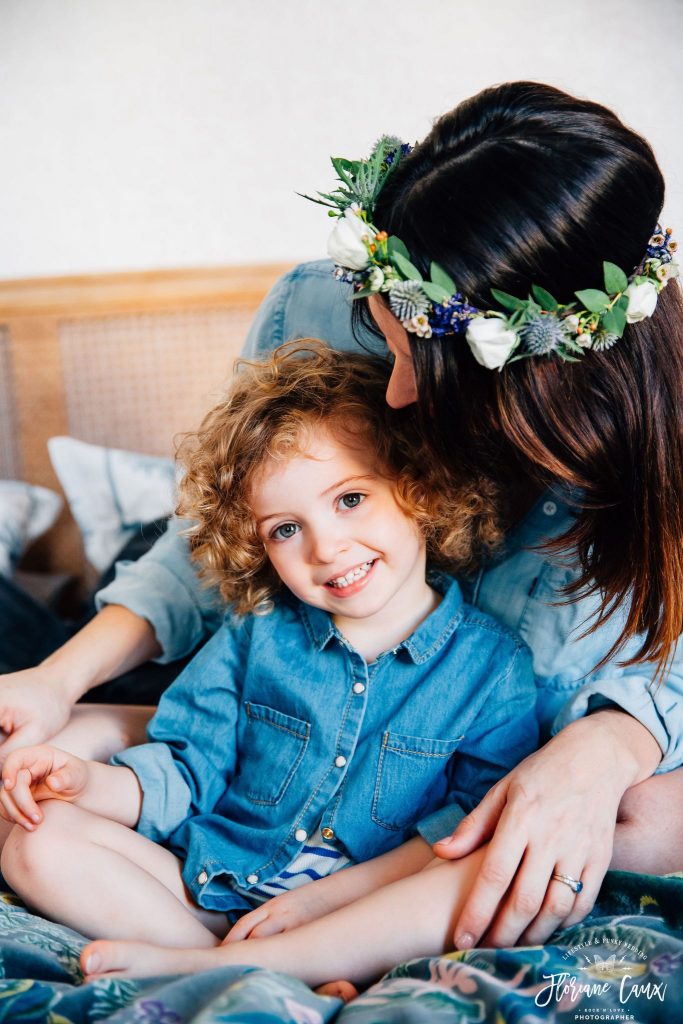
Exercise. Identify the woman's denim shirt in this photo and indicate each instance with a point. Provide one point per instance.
(519, 588)
(278, 726)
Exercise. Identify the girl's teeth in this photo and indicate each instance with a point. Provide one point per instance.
(351, 577)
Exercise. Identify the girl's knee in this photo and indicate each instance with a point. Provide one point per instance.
(28, 858)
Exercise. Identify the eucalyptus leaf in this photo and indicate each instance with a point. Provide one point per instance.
(440, 277)
(363, 293)
(622, 303)
(615, 278)
(435, 292)
(507, 301)
(593, 300)
(545, 298)
(395, 244)
(406, 267)
(614, 321)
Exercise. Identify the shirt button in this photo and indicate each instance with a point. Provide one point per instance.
(359, 687)
(327, 833)
(300, 835)
(202, 878)
(252, 879)
(550, 508)
(340, 761)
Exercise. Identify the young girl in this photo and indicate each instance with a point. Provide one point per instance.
(354, 698)
(521, 185)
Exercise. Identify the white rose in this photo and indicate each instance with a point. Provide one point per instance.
(346, 246)
(642, 299)
(491, 341)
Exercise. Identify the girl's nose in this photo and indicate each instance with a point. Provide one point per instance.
(325, 545)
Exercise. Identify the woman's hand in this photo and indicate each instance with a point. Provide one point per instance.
(32, 709)
(282, 913)
(554, 813)
(39, 773)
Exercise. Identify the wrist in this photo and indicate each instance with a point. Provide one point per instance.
(68, 682)
(634, 750)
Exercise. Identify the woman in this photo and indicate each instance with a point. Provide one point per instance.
(522, 185)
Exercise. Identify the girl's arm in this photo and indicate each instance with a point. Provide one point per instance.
(34, 774)
(314, 900)
(556, 811)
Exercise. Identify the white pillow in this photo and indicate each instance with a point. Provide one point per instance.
(25, 513)
(111, 493)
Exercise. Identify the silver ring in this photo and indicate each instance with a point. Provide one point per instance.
(574, 883)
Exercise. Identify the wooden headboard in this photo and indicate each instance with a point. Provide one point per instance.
(122, 360)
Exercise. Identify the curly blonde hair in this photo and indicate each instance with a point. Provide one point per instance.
(271, 410)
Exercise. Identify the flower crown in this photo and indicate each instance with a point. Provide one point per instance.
(536, 326)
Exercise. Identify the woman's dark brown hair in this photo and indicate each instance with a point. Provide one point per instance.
(521, 185)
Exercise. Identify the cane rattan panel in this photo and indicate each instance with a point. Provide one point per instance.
(136, 381)
(9, 450)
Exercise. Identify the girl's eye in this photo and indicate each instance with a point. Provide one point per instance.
(285, 531)
(351, 500)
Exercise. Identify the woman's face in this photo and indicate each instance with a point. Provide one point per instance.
(402, 387)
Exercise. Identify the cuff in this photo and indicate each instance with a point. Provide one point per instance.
(441, 823)
(164, 805)
(178, 623)
(630, 694)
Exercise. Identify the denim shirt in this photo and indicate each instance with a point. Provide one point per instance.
(278, 726)
(519, 588)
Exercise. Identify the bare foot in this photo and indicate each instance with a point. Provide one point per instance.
(339, 989)
(144, 960)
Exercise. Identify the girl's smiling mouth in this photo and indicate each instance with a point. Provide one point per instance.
(353, 580)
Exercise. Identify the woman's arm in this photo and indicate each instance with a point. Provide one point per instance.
(36, 703)
(556, 811)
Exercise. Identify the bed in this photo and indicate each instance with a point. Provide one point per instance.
(112, 360)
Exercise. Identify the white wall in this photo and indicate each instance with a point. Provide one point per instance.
(175, 133)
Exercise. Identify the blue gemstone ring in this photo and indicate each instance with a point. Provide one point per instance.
(574, 884)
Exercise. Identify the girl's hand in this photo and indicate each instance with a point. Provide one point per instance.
(280, 914)
(39, 773)
(554, 813)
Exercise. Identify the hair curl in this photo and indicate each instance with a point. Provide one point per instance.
(272, 410)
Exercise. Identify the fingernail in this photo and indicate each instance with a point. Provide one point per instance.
(464, 941)
(93, 963)
(35, 817)
(446, 841)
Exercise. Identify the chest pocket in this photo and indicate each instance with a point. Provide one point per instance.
(411, 776)
(272, 747)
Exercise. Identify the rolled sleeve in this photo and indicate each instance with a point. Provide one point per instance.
(163, 587)
(167, 798)
(658, 707)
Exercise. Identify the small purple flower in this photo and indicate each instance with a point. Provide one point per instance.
(452, 317)
(152, 1011)
(666, 964)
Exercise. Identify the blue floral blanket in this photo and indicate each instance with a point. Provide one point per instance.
(624, 963)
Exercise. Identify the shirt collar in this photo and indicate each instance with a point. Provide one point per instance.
(423, 644)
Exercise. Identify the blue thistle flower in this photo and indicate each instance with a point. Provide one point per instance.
(406, 300)
(542, 335)
(603, 341)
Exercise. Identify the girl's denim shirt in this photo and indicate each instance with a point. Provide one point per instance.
(519, 588)
(278, 727)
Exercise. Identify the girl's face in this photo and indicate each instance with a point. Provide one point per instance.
(402, 387)
(335, 534)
